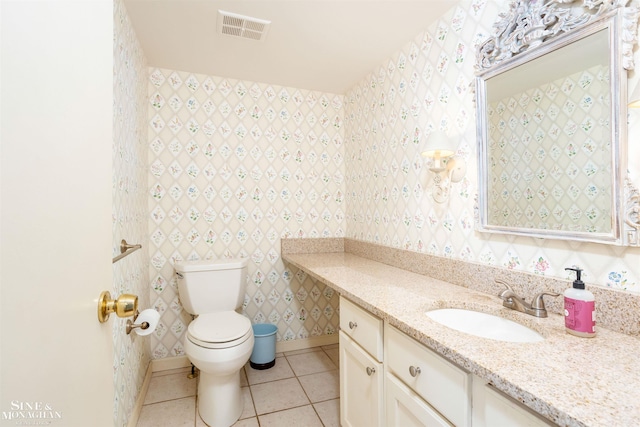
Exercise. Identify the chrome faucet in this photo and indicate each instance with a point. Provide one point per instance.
(511, 300)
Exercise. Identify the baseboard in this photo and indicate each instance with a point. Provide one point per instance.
(301, 344)
(169, 363)
(137, 409)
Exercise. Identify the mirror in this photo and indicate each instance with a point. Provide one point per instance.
(551, 124)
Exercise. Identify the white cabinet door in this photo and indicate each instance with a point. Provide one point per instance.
(361, 382)
(493, 409)
(406, 409)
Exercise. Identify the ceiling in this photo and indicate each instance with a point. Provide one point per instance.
(323, 45)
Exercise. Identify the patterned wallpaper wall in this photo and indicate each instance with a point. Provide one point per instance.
(550, 155)
(235, 166)
(130, 275)
(425, 86)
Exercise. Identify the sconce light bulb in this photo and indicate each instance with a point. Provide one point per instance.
(437, 166)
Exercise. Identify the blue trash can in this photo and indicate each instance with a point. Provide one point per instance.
(264, 347)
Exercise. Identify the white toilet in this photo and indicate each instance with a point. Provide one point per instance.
(219, 340)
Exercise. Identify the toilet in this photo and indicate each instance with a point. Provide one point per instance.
(219, 340)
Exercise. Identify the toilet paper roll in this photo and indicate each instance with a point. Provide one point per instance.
(149, 315)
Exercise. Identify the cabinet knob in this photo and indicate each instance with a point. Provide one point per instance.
(414, 371)
(353, 325)
(371, 371)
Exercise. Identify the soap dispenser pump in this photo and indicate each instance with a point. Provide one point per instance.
(579, 308)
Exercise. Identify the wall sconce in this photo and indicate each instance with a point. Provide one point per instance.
(447, 167)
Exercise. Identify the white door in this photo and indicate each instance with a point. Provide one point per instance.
(55, 212)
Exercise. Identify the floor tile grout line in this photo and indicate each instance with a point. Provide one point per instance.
(308, 398)
(196, 413)
(170, 400)
(299, 383)
(285, 409)
(255, 410)
(297, 377)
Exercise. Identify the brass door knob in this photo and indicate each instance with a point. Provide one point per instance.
(125, 306)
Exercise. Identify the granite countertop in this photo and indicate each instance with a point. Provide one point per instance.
(569, 380)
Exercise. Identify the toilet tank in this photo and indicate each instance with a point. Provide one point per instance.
(212, 285)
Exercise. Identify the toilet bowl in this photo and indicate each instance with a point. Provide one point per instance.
(219, 345)
(219, 341)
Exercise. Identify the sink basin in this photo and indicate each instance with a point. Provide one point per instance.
(484, 325)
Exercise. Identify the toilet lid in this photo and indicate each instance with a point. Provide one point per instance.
(219, 327)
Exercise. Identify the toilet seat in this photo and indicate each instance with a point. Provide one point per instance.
(219, 330)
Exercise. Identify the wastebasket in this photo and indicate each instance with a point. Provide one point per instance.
(264, 347)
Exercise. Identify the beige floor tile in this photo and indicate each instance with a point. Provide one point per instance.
(304, 416)
(278, 395)
(243, 378)
(168, 387)
(329, 412)
(279, 371)
(249, 410)
(310, 363)
(321, 386)
(249, 422)
(174, 413)
(199, 422)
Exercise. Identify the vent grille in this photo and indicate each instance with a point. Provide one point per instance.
(232, 24)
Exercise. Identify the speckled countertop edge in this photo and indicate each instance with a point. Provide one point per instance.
(570, 381)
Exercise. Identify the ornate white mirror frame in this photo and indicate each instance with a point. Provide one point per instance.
(529, 30)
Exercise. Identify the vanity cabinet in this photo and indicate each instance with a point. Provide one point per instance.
(390, 379)
(361, 368)
(492, 408)
(439, 390)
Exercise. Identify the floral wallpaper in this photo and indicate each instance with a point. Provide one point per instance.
(425, 86)
(129, 212)
(234, 167)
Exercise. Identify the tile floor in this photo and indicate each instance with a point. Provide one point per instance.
(302, 389)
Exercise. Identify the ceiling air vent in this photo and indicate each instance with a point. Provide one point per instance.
(232, 24)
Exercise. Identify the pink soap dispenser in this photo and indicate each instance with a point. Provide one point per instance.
(579, 309)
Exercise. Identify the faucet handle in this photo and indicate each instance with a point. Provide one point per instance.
(506, 285)
(538, 303)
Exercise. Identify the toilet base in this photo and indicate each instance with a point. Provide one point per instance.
(220, 401)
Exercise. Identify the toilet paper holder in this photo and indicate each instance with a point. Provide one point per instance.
(126, 305)
(131, 325)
